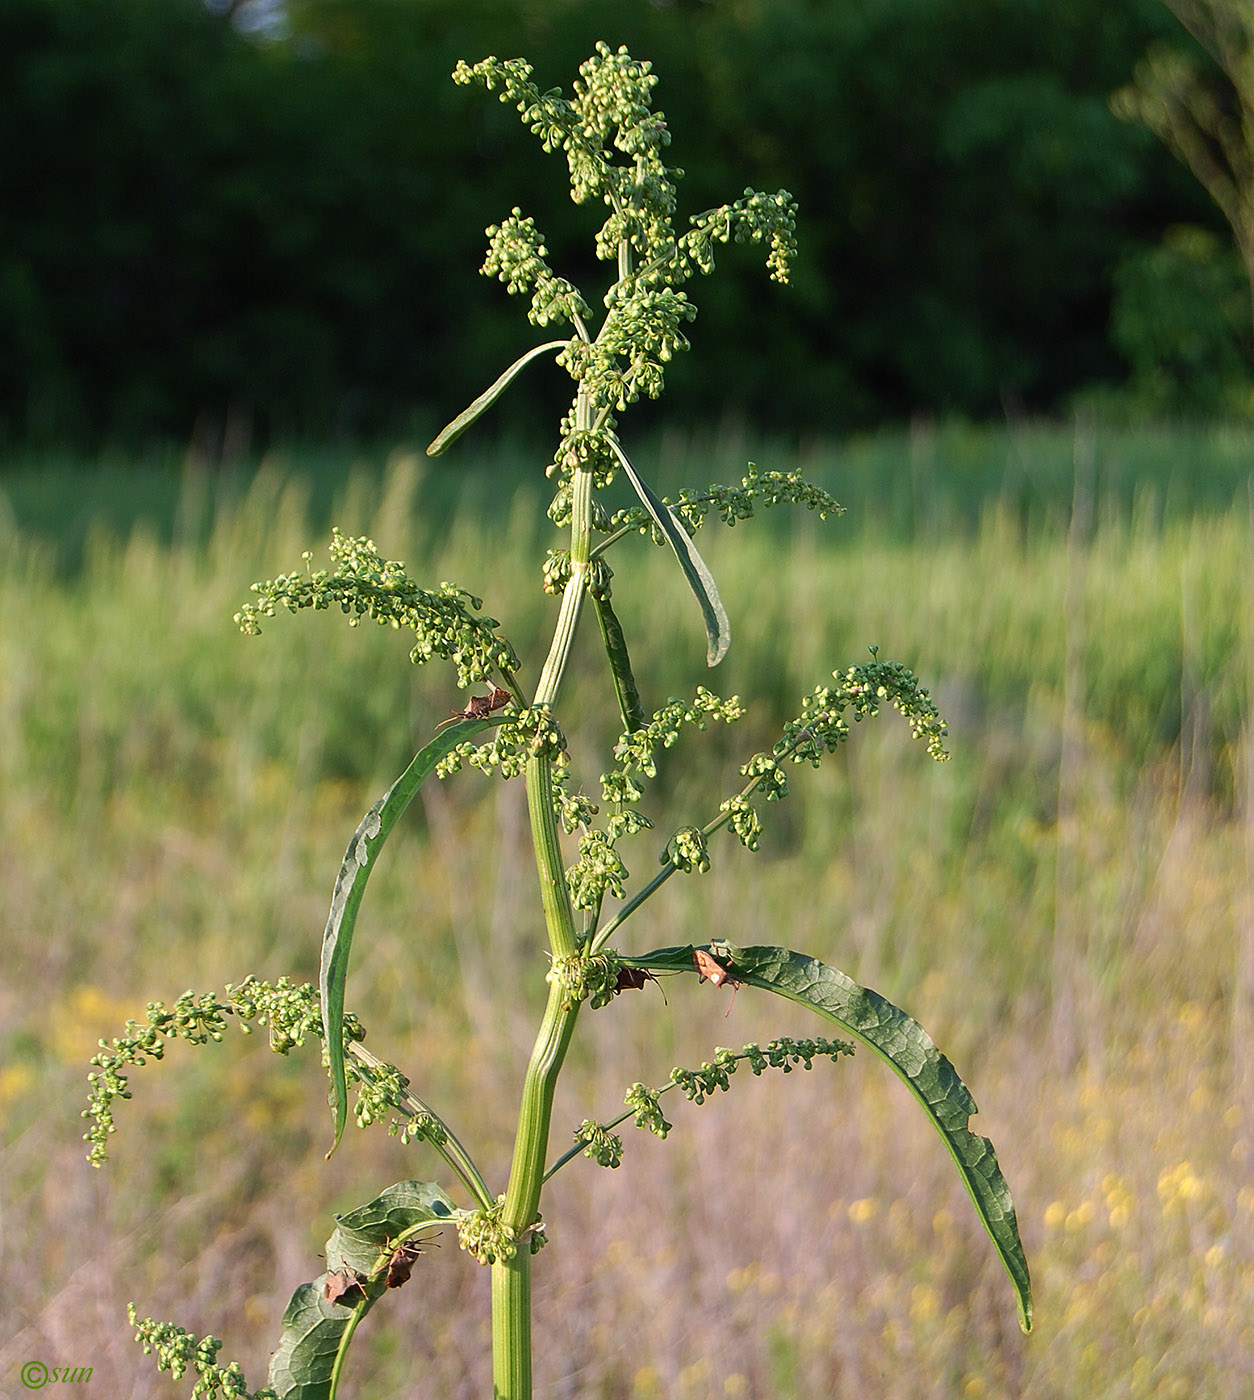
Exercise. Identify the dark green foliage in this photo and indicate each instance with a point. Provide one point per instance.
(225, 236)
(1181, 319)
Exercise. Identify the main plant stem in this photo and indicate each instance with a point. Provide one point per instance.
(511, 1278)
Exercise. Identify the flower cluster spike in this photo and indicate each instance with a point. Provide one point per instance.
(522, 734)
(732, 503)
(614, 142)
(783, 1054)
(178, 1351)
(365, 585)
(688, 850)
(516, 257)
(582, 977)
(600, 870)
(599, 1144)
(290, 1010)
(821, 727)
(643, 1102)
(636, 752)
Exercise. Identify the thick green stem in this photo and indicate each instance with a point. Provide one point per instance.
(511, 1279)
(522, 1198)
(511, 1327)
(559, 916)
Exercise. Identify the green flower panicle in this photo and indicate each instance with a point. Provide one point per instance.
(178, 1351)
(822, 727)
(290, 1010)
(365, 585)
(643, 1102)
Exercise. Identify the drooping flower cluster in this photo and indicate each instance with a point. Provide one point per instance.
(732, 503)
(178, 1351)
(484, 1235)
(365, 585)
(600, 870)
(821, 727)
(783, 1054)
(604, 1147)
(290, 1010)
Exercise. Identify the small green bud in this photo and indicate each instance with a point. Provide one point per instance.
(688, 850)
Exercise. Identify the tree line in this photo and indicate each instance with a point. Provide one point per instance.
(235, 213)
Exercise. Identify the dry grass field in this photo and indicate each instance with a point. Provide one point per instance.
(1067, 906)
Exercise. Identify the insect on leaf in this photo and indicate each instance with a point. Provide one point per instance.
(319, 1321)
(401, 1264)
(911, 1054)
(709, 969)
(344, 1287)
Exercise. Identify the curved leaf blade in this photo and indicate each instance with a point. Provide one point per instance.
(360, 1235)
(700, 580)
(304, 1361)
(308, 1359)
(350, 885)
(911, 1054)
(467, 416)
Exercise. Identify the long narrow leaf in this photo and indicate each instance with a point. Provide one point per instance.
(909, 1051)
(625, 688)
(700, 580)
(489, 396)
(350, 885)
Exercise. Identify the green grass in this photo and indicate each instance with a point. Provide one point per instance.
(1064, 905)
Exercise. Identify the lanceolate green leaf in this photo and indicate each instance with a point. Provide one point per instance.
(350, 885)
(309, 1358)
(700, 580)
(629, 704)
(489, 396)
(908, 1049)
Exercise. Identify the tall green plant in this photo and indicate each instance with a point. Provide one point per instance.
(614, 143)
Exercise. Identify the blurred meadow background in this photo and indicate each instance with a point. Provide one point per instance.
(1064, 905)
(238, 293)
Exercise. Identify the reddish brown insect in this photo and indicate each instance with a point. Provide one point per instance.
(632, 979)
(710, 969)
(401, 1264)
(480, 706)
